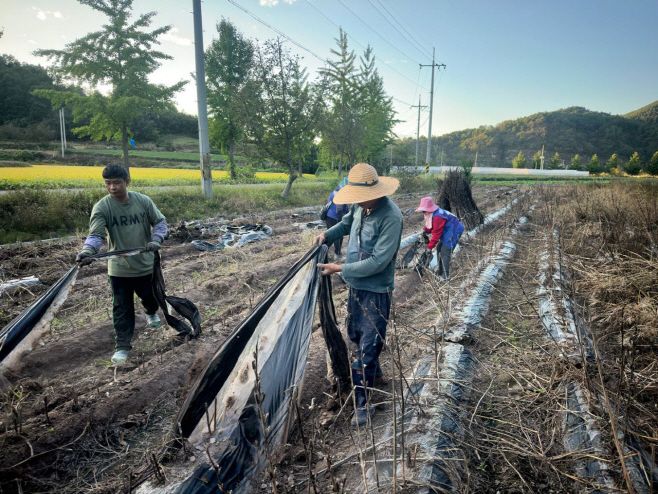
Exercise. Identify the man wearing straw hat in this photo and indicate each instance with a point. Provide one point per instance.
(374, 224)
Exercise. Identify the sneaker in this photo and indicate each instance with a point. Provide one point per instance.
(360, 417)
(120, 356)
(153, 320)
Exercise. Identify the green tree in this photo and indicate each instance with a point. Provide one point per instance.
(340, 128)
(576, 163)
(519, 161)
(279, 106)
(536, 160)
(556, 162)
(375, 110)
(593, 166)
(228, 61)
(120, 55)
(652, 167)
(634, 166)
(612, 163)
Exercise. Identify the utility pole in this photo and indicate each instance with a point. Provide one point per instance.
(429, 131)
(542, 156)
(204, 139)
(62, 129)
(390, 157)
(418, 129)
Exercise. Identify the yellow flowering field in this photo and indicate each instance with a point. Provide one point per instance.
(56, 176)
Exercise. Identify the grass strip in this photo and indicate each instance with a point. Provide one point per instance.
(35, 214)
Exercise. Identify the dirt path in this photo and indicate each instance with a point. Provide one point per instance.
(106, 424)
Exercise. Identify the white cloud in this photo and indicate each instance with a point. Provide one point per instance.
(31, 41)
(43, 14)
(272, 3)
(176, 38)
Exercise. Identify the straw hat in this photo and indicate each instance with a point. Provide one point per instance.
(427, 205)
(363, 184)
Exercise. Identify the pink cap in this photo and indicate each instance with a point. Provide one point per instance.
(427, 204)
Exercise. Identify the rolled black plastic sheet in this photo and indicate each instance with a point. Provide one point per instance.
(221, 403)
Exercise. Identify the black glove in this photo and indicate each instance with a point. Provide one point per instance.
(152, 246)
(84, 259)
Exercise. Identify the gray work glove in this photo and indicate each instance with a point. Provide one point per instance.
(152, 246)
(84, 259)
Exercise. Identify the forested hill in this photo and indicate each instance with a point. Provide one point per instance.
(569, 131)
(647, 113)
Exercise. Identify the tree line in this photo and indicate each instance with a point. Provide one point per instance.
(259, 94)
(568, 132)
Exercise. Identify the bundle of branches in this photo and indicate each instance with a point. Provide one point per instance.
(455, 196)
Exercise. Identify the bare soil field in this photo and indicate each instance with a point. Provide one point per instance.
(532, 370)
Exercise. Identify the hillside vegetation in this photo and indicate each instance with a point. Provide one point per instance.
(647, 113)
(568, 131)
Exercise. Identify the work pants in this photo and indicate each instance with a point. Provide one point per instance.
(444, 254)
(123, 307)
(367, 314)
(338, 244)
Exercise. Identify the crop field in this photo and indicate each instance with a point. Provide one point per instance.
(136, 153)
(532, 369)
(56, 176)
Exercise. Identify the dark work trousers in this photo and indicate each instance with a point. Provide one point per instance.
(367, 314)
(123, 307)
(443, 254)
(338, 244)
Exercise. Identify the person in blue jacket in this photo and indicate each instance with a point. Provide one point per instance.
(445, 229)
(335, 215)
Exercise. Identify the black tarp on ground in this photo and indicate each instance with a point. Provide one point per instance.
(285, 315)
(14, 338)
(17, 337)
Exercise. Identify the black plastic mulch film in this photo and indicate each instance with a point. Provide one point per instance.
(20, 327)
(242, 455)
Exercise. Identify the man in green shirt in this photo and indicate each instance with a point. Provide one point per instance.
(374, 224)
(128, 220)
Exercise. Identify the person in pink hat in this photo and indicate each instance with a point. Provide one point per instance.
(445, 229)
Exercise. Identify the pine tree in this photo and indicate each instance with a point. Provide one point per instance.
(612, 163)
(652, 167)
(341, 126)
(229, 59)
(593, 166)
(536, 160)
(519, 161)
(634, 166)
(556, 162)
(576, 163)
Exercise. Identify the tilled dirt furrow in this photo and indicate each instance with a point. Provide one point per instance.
(70, 370)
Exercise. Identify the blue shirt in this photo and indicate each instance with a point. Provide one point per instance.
(336, 211)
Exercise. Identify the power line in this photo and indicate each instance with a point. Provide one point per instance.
(280, 33)
(398, 15)
(400, 101)
(357, 42)
(382, 37)
(420, 50)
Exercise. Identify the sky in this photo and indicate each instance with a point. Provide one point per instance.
(504, 59)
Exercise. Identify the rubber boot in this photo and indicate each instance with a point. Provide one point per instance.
(362, 411)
